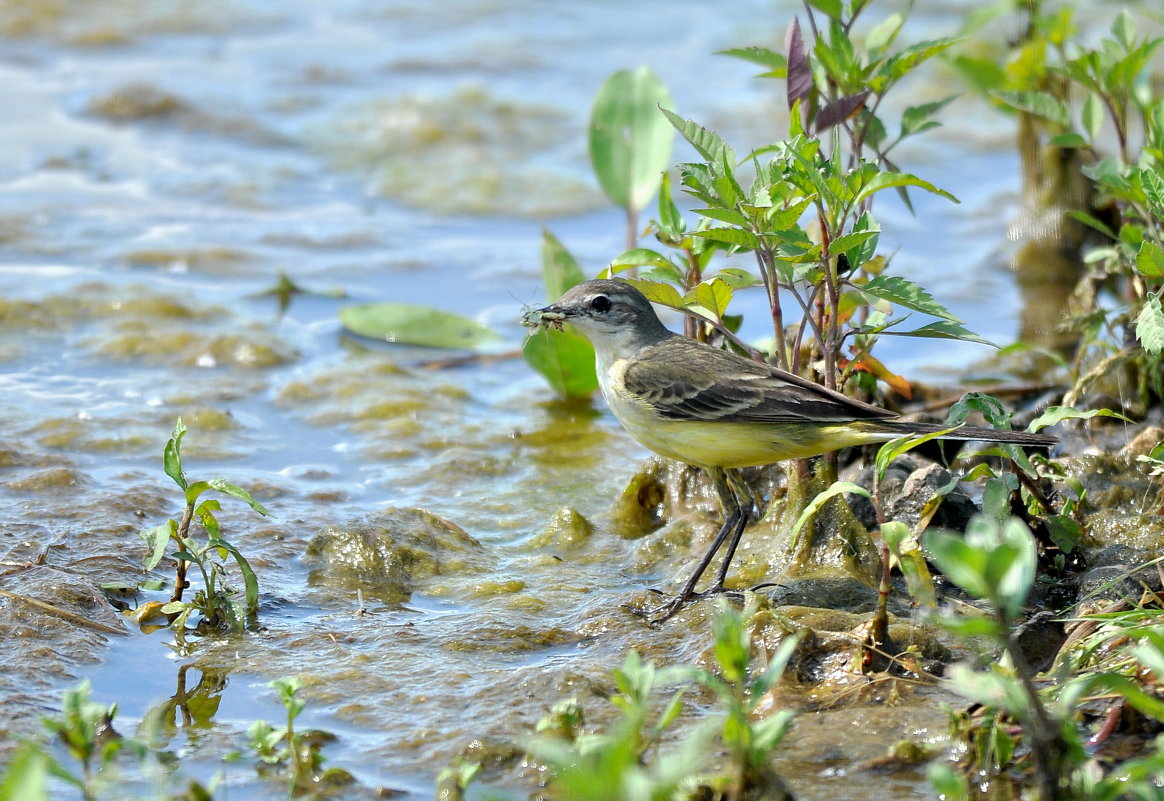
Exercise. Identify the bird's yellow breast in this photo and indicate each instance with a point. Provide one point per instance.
(716, 443)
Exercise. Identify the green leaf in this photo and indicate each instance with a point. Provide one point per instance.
(670, 220)
(1092, 115)
(1057, 414)
(888, 180)
(250, 580)
(713, 296)
(918, 118)
(982, 74)
(903, 292)
(172, 455)
(25, 778)
(1092, 222)
(708, 143)
(560, 271)
(565, 359)
(900, 64)
(640, 257)
(1150, 325)
(1041, 104)
(630, 141)
(769, 59)
(901, 445)
(415, 325)
(227, 488)
(881, 36)
(656, 292)
(835, 489)
(157, 537)
(730, 236)
(943, 329)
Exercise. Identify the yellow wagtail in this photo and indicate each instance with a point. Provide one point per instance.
(717, 410)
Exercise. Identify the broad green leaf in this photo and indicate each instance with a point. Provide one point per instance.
(904, 292)
(1153, 187)
(656, 292)
(1124, 29)
(1070, 139)
(630, 141)
(845, 243)
(982, 74)
(639, 257)
(415, 325)
(560, 271)
(230, 489)
(835, 489)
(729, 216)
(565, 359)
(882, 35)
(831, 8)
(713, 296)
(1092, 222)
(1150, 325)
(172, 455)
(706, 142)
(26, 776)
(1057, 414)
(670, 220)
(902, 445)
(157, 537)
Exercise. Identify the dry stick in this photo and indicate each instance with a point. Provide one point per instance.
(63, 613)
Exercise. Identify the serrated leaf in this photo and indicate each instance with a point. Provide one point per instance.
(943, 329)
(708, 143)
(1150, 259)
(730, 236)
(565, 359)
(408, 324)
(914, 117)
(887, 180)
(630, 142)
(1150, 325)
(769, 59)
(714, 296)
(904, 292)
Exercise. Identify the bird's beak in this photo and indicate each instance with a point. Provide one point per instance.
(549, 317)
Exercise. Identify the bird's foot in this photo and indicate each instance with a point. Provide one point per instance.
(662, 614)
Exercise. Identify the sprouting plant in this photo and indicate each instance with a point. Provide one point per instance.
(215, 602)
(297, 752)
(631, 758)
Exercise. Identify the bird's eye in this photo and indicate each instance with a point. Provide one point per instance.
(600, 303)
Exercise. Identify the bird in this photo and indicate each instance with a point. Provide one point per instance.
(717, 410)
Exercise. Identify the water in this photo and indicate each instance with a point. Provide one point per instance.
(169, 161)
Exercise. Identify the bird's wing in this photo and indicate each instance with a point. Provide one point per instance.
(682, 379)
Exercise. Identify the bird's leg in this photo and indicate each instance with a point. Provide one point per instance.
(735, 518)
(731, 488)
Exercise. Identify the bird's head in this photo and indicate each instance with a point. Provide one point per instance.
(612, 314)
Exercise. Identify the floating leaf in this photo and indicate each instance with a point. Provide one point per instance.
(415, 325)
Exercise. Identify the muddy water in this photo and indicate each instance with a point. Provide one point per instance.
(161, 165)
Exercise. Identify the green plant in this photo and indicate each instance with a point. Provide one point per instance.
(1028, 726)
(1081, 97)
(806, 216)
(631, 760)
(297, 752)
(215, 602)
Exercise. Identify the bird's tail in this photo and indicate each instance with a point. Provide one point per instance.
(968, 433)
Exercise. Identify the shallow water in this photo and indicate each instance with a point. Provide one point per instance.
(168, 163)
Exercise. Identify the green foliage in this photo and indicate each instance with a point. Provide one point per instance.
(630, 142)
(630, 760)
(214, 602)
(1085, 96)
(564, 358)
(297, 754)
(415, 325)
